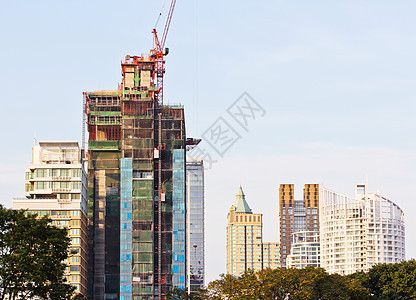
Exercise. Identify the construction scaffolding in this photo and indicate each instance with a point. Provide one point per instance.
(137, 143)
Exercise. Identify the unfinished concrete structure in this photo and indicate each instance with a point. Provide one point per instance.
(136, 164)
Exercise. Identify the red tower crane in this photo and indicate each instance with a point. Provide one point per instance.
(157, 55)
(160, 51)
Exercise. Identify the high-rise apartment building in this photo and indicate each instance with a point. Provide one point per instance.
(56, 186)
(136, 201)
(296, 215)
(245, 247)
(357, 233)
(305, 250)
(195, 224)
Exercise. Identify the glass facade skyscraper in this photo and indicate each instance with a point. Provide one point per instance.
(195, 223)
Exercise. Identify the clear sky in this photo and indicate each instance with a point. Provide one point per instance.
(336, 80)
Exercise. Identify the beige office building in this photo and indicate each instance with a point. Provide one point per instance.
(245, 247)
(56, 185)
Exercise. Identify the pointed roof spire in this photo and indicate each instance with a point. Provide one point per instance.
(240, 204)
(240, 191)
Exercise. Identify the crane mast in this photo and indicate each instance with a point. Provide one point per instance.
(159, 52)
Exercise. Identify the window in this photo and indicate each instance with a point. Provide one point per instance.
(42, 213)
(64, 196)
(75, 213)
(60, 223)
(75, 196)
(74, 269)
(54, 172)
(64, 184)
(76, 173)
(74, 277)
(55, 185)
(64, 172)
(75, 259)
(41, 185)
(75, 223)
(75, 232)
(75, 241)
(76, 185)
(40, 173)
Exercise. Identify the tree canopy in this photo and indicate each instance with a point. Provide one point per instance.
(393, 281)
(383, 281)
(31, 257)
(281, 283)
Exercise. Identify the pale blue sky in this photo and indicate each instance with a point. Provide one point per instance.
(336, 78)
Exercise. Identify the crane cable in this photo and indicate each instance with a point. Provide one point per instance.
(160, 14)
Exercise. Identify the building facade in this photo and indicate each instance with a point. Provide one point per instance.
(271, 255)
(56, 186)
(357, 233)
(305, 250)
(195, 224)
(296, 215)
(136, 169)
(245, 247)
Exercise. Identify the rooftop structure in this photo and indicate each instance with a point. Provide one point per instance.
(240, 204)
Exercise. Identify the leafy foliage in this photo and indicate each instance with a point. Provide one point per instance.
(181, 294)
(308, 283)
(31, 255)
(393, 281)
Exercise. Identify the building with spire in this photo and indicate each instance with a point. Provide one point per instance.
(245, 247)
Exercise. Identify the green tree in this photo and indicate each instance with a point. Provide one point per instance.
(227, 287)
(393, 281)
(181, 294)
(287, 284)
(31, 257)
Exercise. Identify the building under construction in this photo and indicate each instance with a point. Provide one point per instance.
(136, 201)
